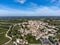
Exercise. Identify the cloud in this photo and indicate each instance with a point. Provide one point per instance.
(34, 11)
(55, 2)
(13, 12)
(32, 4)
(49, 11)
(40, 11)
(21, 1)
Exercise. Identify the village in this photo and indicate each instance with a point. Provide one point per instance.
(38, 31)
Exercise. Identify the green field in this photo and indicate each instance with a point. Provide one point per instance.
(4, 26)
(5, 23)
(3, 39)
(3, 30)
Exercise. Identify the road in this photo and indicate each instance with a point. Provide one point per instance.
(8, 36)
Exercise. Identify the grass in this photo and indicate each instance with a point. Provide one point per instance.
(58, 35)
(3, 30)
(4, 26)
(3, 39)
(32, 39)
(11, 43)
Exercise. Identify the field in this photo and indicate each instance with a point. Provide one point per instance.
(4, 26)
(6, 22)
(3, 29)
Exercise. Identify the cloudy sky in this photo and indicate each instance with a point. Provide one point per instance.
(29, 7)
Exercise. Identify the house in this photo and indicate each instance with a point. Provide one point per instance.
(45, 41)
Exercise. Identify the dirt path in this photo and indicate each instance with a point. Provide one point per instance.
(8, 36)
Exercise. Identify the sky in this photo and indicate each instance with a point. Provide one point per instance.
(29, 7)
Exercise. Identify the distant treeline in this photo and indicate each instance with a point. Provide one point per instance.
(30, 17)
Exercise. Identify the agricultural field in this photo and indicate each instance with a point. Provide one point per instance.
(4, 26)
(5, 23)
